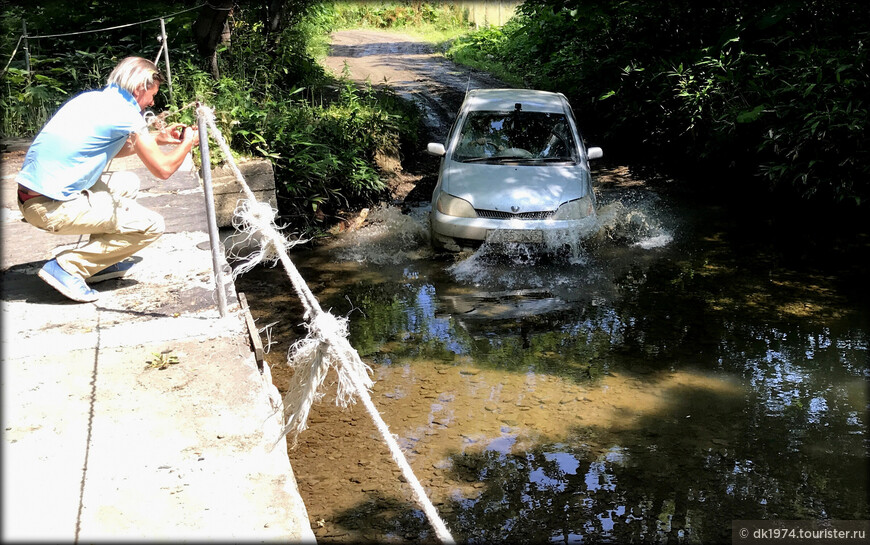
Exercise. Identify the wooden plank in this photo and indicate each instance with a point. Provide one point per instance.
(254, 333)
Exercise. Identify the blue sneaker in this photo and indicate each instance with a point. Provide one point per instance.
(71, 285)
(117, 270)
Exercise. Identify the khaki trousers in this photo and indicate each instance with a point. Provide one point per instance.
(118, 226)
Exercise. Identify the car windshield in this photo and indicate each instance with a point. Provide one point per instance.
(515, 135)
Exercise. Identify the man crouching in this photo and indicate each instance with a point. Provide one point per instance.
(63, 187)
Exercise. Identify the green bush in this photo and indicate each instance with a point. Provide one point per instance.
(322, 136)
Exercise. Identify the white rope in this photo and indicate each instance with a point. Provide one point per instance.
(325, 347)
(420, 495)
(119, 26)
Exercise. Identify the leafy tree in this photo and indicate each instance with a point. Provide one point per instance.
(211, 28)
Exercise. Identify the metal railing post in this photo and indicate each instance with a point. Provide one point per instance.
(26, 48)
(212, 216)
(166, 59)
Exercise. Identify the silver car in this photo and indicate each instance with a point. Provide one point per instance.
(514, 170)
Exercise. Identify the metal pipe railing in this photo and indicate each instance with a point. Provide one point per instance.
(211, 216)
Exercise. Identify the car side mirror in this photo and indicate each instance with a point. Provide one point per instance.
(437, 149)
(594, 153)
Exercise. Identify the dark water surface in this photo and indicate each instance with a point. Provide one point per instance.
(693, 366)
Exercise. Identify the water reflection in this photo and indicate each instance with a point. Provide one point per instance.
(669, 379)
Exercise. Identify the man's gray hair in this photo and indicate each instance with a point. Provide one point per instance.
(133, 73)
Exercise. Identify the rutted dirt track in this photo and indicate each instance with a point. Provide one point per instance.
(409, 67)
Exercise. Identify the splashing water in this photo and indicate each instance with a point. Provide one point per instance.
(566, 271)
(389, 236)
(516, 266)
(633, 224)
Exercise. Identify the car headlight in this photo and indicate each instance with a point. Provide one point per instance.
(454, 206)
(576, 209)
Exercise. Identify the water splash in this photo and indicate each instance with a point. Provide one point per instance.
(515, 266)
(388, 237)
(634, 222)
(518, 280)
(630, 220)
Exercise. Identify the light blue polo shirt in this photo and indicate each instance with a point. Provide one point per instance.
(74, 147)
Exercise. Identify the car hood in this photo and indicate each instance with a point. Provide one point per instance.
(501, 187)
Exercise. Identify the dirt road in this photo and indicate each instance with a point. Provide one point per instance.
(411, 68)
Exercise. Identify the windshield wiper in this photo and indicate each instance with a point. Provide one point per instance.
(479, 159)
(517, 159)
(555, 159)
(514, 158)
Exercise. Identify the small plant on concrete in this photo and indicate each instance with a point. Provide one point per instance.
(162, 360)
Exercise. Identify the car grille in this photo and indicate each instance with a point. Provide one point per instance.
(499, 215)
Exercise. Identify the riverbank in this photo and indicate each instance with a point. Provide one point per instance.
(144, 415)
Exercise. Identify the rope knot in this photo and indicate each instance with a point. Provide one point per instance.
(261, 213)
(327, 326)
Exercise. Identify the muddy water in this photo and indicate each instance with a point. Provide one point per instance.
(689, 367)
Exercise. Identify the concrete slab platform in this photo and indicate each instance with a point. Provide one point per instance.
(101, 444)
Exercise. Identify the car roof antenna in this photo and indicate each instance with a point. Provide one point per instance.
(468, 85)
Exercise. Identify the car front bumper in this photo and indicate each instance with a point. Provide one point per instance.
(450, 230)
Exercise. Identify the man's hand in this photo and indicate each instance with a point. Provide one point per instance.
(175, 134)
(161, 164)
(190, 134)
